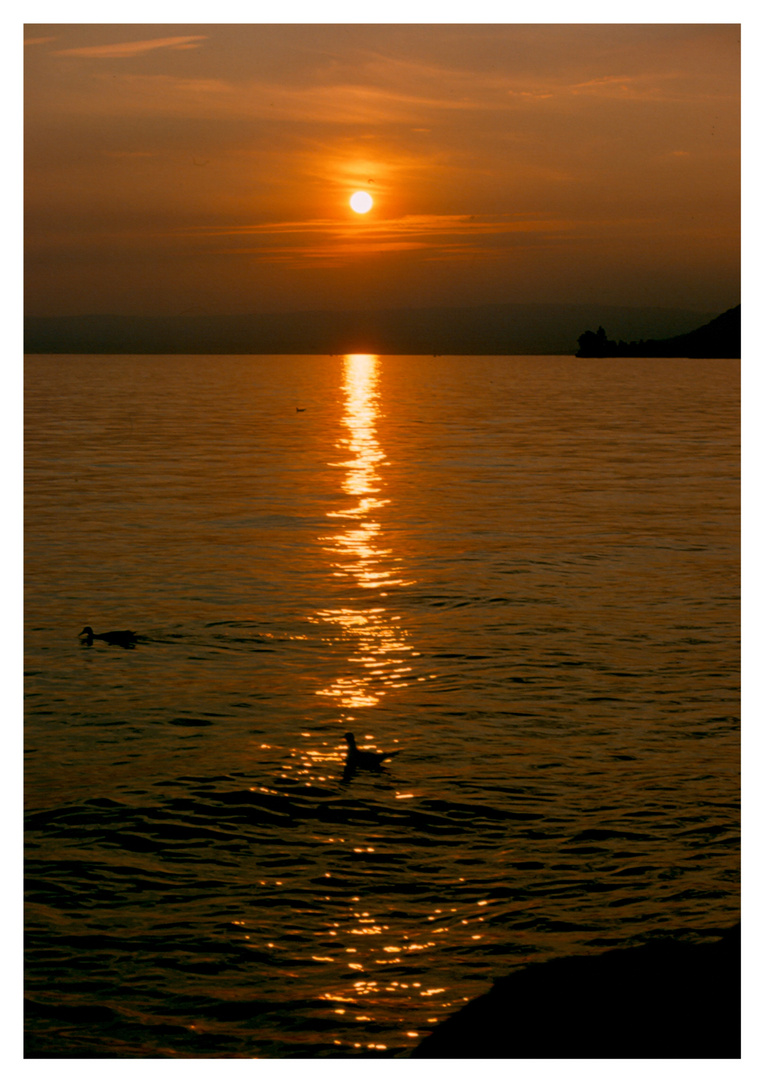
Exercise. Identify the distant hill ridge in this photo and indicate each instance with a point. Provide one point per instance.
(720, 338)
(490, 329)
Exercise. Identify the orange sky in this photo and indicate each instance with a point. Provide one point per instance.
(207, 168)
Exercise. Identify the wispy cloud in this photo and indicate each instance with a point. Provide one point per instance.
(120, 49)
(441, 236)
(410, 224)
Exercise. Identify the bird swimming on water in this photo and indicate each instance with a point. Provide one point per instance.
(125, 638)
(364, 759)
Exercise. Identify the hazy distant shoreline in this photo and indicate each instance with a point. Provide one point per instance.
(494, 329)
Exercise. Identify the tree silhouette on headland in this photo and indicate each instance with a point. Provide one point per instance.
(720, 338)
(595, 344)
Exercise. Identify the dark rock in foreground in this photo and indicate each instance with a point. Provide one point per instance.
(666, 999)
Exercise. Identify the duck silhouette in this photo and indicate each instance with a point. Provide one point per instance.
(364, 759)
(125, 638)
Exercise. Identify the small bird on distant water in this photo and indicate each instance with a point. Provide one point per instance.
(125, 638)
(364, 759)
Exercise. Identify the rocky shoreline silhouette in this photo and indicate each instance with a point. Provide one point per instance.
(664, 999)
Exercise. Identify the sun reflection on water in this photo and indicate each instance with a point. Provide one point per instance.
(375, 966)
(378, 991)
(379, 651)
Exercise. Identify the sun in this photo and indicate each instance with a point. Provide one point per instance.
(361, 202)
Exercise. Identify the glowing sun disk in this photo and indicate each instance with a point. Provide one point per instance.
(361, 202)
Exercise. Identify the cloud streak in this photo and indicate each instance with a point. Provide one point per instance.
(453, 236)
(124, 49)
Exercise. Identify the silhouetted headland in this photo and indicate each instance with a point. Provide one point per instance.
(718, 339)
(665, 999)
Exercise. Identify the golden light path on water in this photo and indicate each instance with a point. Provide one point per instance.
(379, 646)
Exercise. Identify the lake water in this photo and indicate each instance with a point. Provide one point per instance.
(522, 572)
